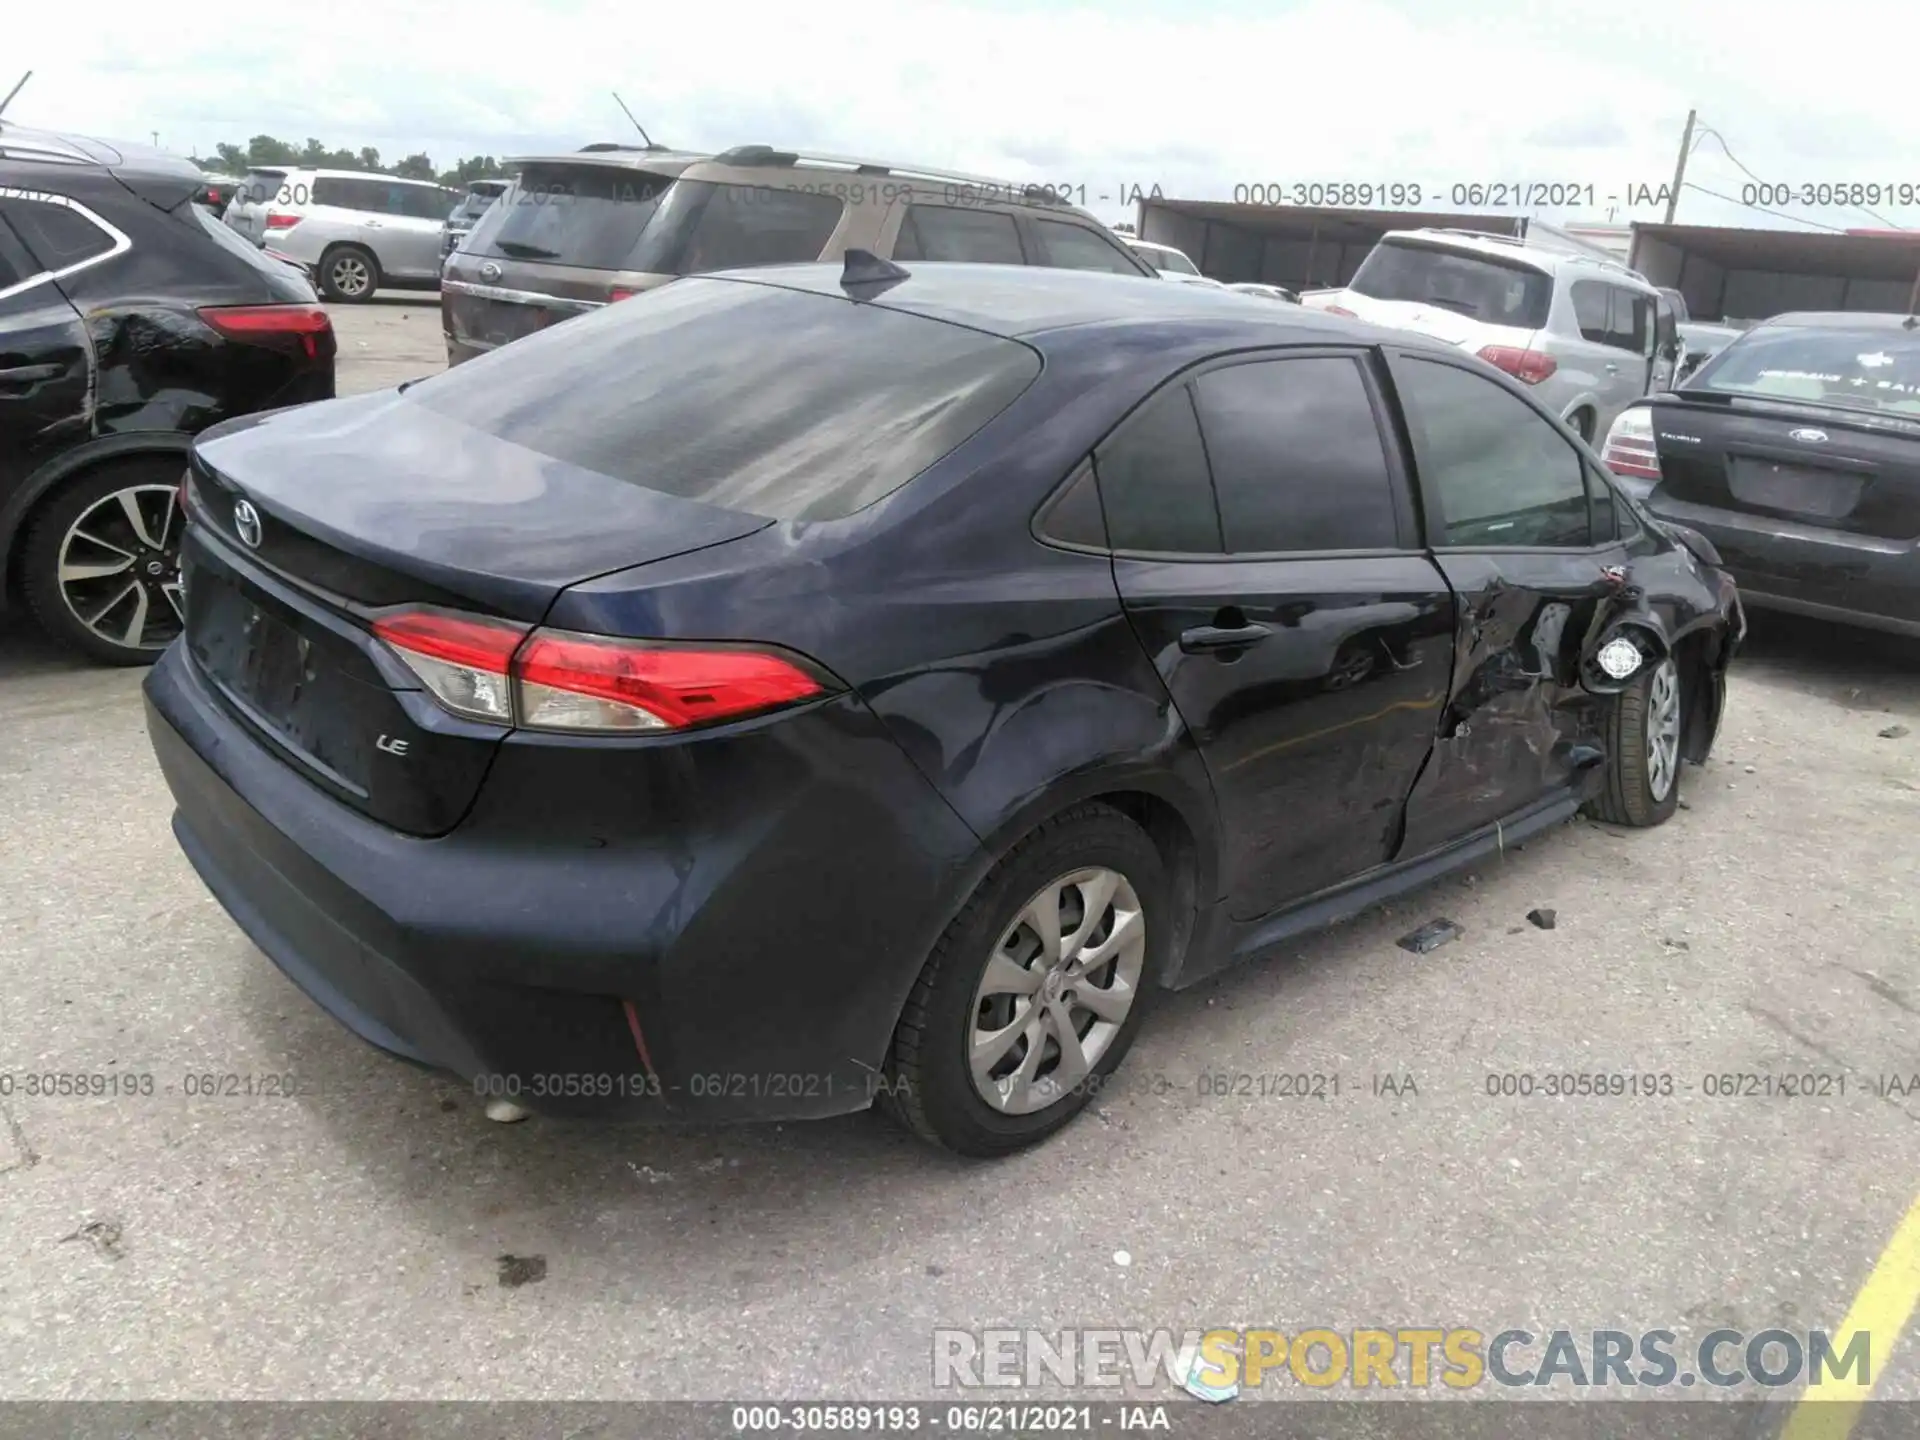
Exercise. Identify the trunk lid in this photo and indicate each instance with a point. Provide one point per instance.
(379, 500)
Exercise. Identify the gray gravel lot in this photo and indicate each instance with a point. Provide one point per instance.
(347, 1242)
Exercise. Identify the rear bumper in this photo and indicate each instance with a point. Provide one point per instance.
(753, 968)
(1783, 565)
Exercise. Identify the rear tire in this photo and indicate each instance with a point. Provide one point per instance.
(349, 274)
(1643, 743)
(89, 570)
(1582, 423)
(993, 972)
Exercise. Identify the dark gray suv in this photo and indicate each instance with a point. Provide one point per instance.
(576, 231)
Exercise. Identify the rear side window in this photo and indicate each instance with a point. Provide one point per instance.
(716, 391)
(422, 202)
(586, 215)
(1504, 475)
(947, 232)
(1154, 484)
(1079, 247)
(746, 225)
(369, 196)
(55, 235)
(15, 265)
(1466, 283)
(1298, 463)
(1591, 311)
(1630, 327)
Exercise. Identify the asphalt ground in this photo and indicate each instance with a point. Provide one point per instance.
(372, 1235)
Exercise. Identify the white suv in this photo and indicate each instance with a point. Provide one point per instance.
(1578, 326)
(355, 231)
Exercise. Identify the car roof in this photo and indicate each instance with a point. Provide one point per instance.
(322, 173)
(50, 147)
(1839, 320)
(1513, 250)
(1026, 302)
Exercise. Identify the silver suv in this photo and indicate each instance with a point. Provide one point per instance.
(578, 231)
(354, 231)
(1588, 334)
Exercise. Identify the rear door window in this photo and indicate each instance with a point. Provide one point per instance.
(587, 215)
(714, 390)
(1631, 325)
(369, 197)
(949, 232)
(1298, 462)
(1154, 483)
(1080, 247)
(421, 202)
(746, 225)
(1591, 310)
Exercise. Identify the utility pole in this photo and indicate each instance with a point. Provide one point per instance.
(1680, 166)
(15, 91)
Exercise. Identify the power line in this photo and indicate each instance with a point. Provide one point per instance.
(1706, 130)
(1797, 219)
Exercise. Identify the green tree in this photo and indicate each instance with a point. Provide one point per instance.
(415, 167)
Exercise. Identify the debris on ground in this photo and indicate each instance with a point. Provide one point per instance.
(1201, 1390)
(506, 1112)
(518, 1270)
(1122, 1259)
(649, 1174)
(102, 1235)
(1895, 732)
(1673, 944)
(1543, 919)
(1430, 936)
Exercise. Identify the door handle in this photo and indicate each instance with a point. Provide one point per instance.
(375, 224)
(1204, 638)
(1612, 369)
(30, 374)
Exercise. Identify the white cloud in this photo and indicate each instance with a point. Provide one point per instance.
(1192, 97)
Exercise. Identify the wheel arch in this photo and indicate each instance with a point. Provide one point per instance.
(16, 516)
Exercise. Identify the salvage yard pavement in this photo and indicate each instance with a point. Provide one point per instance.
(333, 1223)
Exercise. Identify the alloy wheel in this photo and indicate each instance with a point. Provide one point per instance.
(119, 567)
(350, 275)
(1057, 990)
(1663, 729)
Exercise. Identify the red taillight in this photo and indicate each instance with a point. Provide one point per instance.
(278, 221)
(252, 322)
(623, 294)
(559, 680)
(1341, 310)
(1528, 366)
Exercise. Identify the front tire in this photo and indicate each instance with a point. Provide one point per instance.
(1643, 741)
(349, 274)
(102, 560)
(1032, 997)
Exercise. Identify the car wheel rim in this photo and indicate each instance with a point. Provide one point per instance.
(1663, 729)
(1057, 990)
(350, 276)
(119, 567)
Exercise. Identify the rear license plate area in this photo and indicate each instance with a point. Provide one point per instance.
(1812, 491)
(282, 682)
(496, 322)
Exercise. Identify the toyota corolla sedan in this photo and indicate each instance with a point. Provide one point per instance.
(794, 689)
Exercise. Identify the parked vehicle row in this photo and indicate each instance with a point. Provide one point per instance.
(1062, 637)
(467, 211)
(130, 320)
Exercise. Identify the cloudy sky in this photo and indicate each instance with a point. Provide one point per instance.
(1196, 96)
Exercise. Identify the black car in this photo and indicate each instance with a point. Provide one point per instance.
(1795, 451)
(804, 687)
(130, 319)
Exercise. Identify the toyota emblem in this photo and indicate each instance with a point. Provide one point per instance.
(1812, 437)
(489, 271)
(246, 523)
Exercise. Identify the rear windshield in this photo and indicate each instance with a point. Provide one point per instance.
(261, 187)
(1474, 285)
(586, 215)
(1858, 368)
(716, 391)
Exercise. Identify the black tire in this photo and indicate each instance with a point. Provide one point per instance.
(55, 607)
(929, 1086)
(1630, 796)
(340, 270)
